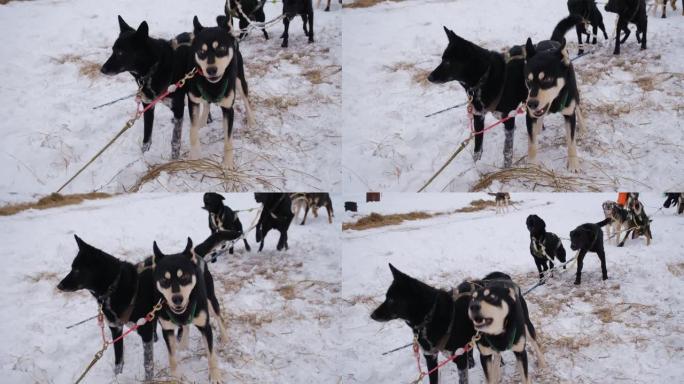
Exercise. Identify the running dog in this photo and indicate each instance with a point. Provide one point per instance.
(276, 214)
(220, 75)
(155, 64)
(675, 200)
(663, 4)
(590, 14)
(184, 283)
(550, 78)
(499, 313)
(589, 238)
(493, 82)
(315, 201)
(222, 218)
(437, 317)
(502, 200)
(292, 8)
(125, 294)
(639, 222)
(544, 246)
(629, 11)
(246, 11)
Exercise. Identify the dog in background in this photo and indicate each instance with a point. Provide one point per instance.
(499, 313)
(155, 64)
(502, 200)
(607, 207)
(222, 218)
(493, 80)
(276, 214)
(663, 4)
(184, 283)
(675, 200)
(125, 294)
(552, 87)
(317, 200)
(253, 9)
(544, 246)
(292, 8)
(438, 318)
(589, 238)
(299, 202)
(327, 6)
(629, 11)
(221, 75)
(639, 223)
(590, 14)
(620, 219)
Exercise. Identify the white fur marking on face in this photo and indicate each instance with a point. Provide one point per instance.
(214, 44)
(486, 292)
(530, 76)
(541, 75)
(204, 47)
(475, 294)
(179, 272)
(167, 275)
(497, 314)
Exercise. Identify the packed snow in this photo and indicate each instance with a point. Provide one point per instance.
(50, 81)
(625, 329)
(632, 103)
(280, 308)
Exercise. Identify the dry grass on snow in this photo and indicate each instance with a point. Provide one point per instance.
(52, 201)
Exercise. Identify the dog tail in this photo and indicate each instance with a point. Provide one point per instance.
(604, 222)
(563, 27)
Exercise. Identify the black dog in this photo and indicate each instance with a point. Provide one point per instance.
(125, 294)
(184, 283)
(494, 81)
(629, 11)
(155, 64)
(276, 214)
(292, 8)
(247, 10)
(499, 313)
(544, 246)
(221, 75)
(590, 14)
(222, 218)
(438, 319)
(589, 238)
(552, 87)
(676, 200)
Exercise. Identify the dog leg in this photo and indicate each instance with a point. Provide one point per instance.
(643, 36)
(534, 127)
(248, 109)
(571, 140)
(581, 124)
(167, 331)
(285, 36)
(594, 33)
(602, 257)
(214, 372)
(148, 121)
(578, 29)
(541, 361)
(508, 143)
(228, 115)
(580, 264)
(330, 213)
(177, 108)
(223, 334)
(195, 124)
(311, 29)
(431, 363)
(118, 350)
(306, 212)
(491, 363)
(478, 123)
(521, 362)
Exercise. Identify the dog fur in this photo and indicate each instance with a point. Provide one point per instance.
(494, 81)
(629, 11)
(639, 222)
(276, 214)
(499, 313)
(222, 218)
(607, 207)
(253, 9)
(590, 15)
(544, 246)
(125, 293)
(550, 79)
(292, 8)
(589, 238)
(663, 4)
(318, 200)
(675, 199)
(437, 317)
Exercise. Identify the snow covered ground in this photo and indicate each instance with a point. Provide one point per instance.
(626, 329)
(280, 307)
(632, 103)
(50, 80)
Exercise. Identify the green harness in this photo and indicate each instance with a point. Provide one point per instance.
(210, 99)
(178, 323)
(510, 343)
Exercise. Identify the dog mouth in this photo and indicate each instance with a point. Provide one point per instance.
(539, 112)
(481, 321)
(213, 79)
(177, 309)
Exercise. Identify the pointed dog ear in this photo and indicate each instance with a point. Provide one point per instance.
(529, 48)
(143, 30)
(81, 244)
(188, 247)
(450, 34)
(196, 24)
(395, 272)
(123, 27)
(158, 255)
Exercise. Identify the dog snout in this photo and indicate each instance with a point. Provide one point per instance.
(533, 103)
(211, 71)
(475, 307)
(177, 300)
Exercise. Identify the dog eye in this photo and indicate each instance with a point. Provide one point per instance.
(221, 50)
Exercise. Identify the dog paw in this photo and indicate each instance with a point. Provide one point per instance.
(578, 282)
(477, 155)
(284, 44)
(118, 368)
(228, 163)
(311, 40)
(573, 164)
(605, 277)
(146, 146)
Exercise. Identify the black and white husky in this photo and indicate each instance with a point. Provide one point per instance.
(155, 64)
(184, 283)
(552, 86)
(221, 74)
(125, 292)
(499, 313)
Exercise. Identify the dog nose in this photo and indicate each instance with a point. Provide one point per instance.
(177, 300)
(431, 78)
(475, 307)
(533, 103)
(60, 286)
(211, 71)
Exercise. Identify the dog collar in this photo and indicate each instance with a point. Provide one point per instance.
(178, 323)
(216, 99)
(510, 343)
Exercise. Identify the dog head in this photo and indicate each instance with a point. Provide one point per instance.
(214, 50)
(490, 305)
(608, 207)
(581, 238)
(535, 225)
(459, 61)
(175, 276)
(84, 269)
(616, 6)
(545, 68)
(130, 51)
(213, 202)
(400, 300)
